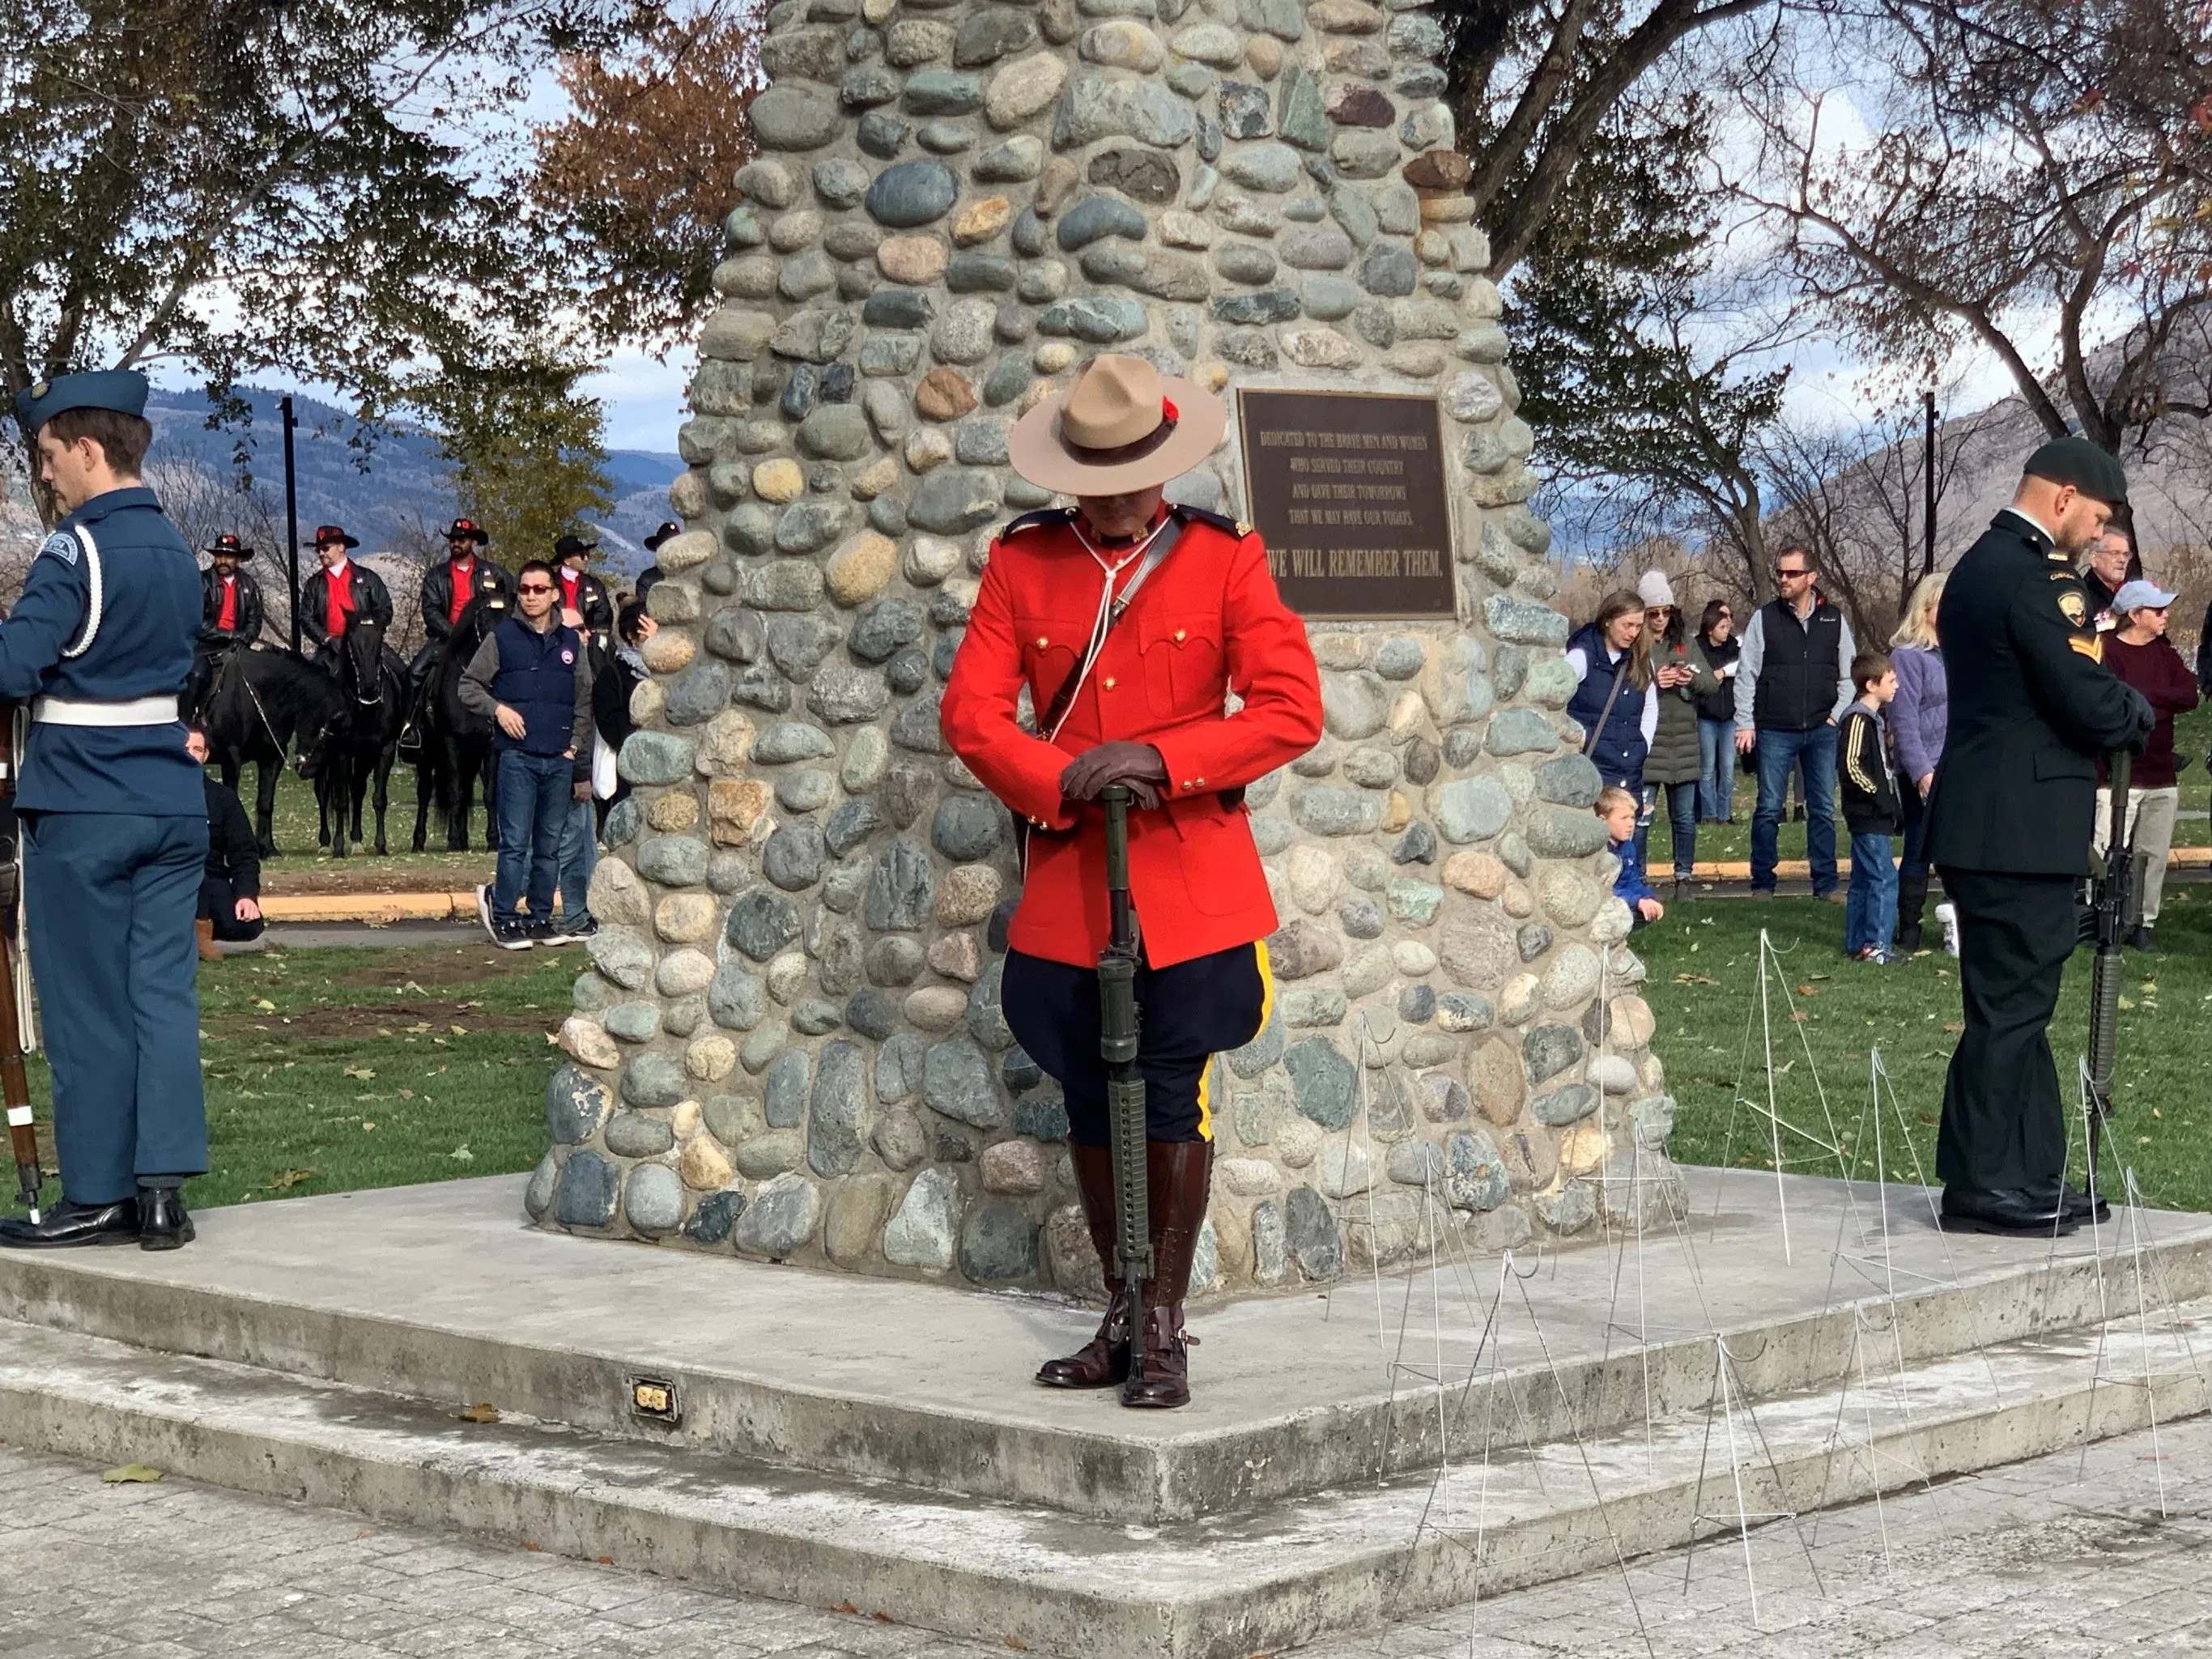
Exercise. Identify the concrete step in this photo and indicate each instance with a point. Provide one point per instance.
(439, 1294)
(1087, 1587)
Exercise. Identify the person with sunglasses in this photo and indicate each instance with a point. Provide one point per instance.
(1793, 683)
(531, 678)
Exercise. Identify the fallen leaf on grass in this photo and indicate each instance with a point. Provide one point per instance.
(1949, 1027)
(1806, 991)
(461, 1155)
(480, 1412)
(458, 1031)
(131, 1474)
(1694, 979)
(364, 1072)
(284, 1180)
(1799, 1015)
(264, 1004)
(365, 1127)
(407, 1094)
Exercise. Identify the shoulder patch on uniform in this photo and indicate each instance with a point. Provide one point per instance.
(61, 545)
(1236, 527)
(2073, 605)
(1046, 515)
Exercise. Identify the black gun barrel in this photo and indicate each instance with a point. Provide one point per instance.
(1125, 1088)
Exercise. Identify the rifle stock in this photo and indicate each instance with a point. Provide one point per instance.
(15, 1082)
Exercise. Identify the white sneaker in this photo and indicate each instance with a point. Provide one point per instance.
(1947, 914)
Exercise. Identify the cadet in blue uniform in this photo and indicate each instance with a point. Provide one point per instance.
(2008, 816)
(114, 822)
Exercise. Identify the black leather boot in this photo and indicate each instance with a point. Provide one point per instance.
(71, 1225)
(1104, 1360)
(162, 1223)
(1177, 1174)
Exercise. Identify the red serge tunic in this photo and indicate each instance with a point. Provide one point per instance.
(1207, 622)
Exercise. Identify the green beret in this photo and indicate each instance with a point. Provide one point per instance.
(2078, 462)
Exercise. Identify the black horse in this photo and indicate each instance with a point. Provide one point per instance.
(353, 750)
(456, 755)
(258, 704)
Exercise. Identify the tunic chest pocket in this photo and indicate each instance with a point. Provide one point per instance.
(1052, 647)
(1183, 665)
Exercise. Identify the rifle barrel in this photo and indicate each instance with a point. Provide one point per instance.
(14, 1083)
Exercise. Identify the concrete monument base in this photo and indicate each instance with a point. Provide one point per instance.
(1351, 1457)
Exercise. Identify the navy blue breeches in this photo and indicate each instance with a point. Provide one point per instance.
(1187, 1014)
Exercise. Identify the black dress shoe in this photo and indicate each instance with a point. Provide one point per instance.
(69, 1224)
(162, 1223)
(2077, 1206)
(2012, 1212)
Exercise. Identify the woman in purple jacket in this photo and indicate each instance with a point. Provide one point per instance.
(1917, 717)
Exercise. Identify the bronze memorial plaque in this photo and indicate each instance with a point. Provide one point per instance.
(1347, 488)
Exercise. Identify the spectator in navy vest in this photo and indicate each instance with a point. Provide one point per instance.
(1616, 701)
(1793, 682)
(1916, 722)
(532, 679)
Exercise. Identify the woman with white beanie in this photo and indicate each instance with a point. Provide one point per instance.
(1679, 675)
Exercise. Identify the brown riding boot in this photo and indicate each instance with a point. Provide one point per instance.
(203, 931)
(1104, 1360)
(1178, 1173)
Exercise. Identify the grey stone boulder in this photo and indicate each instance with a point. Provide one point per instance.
(576, 1104)
(780, 1218)
(588, 1188)
(653, 1200)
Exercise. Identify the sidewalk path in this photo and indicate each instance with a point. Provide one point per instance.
(2051, 1557)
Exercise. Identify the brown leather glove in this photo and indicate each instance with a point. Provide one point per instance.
(1137, 765)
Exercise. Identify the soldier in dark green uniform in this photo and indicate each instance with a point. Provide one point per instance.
(2008, 819)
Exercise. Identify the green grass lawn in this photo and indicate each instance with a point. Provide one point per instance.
(1731, 843)
(304, 868)
(1826, 1017)
(335, 1069)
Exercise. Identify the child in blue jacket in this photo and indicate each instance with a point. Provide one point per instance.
(1617, 808)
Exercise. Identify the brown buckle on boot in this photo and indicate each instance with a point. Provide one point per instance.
(1101, 1362)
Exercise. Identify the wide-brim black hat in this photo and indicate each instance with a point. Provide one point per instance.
(230, 544)
(569, 546)
(667, 531)
(331, 532)
(466, 530)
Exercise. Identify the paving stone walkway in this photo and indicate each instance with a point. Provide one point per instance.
(2062, 1556)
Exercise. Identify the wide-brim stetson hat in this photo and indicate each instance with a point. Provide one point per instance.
(1120, 425)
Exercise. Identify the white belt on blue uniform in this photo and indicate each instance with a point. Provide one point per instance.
(97, 711)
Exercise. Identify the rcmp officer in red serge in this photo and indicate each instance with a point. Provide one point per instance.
(1129, 622)
(114, 822)
(2033, 707)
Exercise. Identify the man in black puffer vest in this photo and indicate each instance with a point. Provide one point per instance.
(532, 679)
(1792, 684)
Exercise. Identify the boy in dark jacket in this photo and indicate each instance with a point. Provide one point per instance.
(1871, 810)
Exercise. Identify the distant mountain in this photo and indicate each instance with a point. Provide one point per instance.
(381, 491)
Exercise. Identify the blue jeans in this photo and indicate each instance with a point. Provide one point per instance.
(535, 794)
(1779, 754)
(1870, 913)
(1682, 819)
(1717, 769)
(579, 850)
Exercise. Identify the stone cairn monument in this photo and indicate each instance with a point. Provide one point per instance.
(789, 1043)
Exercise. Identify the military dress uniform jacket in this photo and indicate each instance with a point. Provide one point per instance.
(438, 593)
(2033, 706)
(1207, 622)
(105, 631)
(372, 601)
(250, 609)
